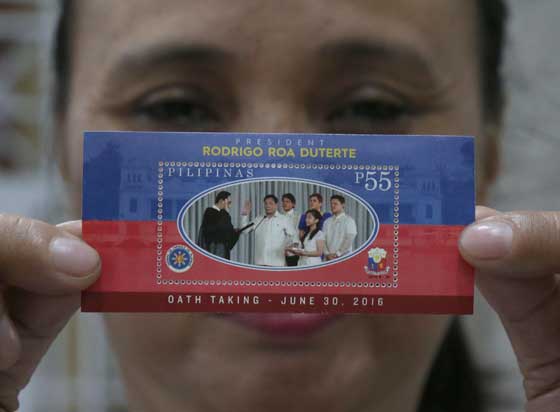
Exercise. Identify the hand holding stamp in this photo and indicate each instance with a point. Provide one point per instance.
(43, 268)
(516, 258)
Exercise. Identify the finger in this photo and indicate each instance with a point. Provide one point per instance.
(9, 339)
(74, 227)
(42, 270)
(42, 258)
(37, 320)
(530, 313)
(518, 242)
(483, 212)
(516, 257)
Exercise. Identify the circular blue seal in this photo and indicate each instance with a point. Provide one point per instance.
(179, 258)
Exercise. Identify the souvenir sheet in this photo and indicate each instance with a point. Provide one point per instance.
(203, 222)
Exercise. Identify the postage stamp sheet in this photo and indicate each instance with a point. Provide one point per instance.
(226, 222)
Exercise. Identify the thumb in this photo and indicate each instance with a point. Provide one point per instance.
(516, 259)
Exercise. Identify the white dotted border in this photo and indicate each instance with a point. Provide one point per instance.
(159, 232)
(277, 283)
(396, 204)
(260, 165)
(283, 283)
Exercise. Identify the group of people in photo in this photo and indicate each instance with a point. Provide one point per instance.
(281, 237)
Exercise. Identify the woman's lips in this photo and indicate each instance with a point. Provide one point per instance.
(284, 325)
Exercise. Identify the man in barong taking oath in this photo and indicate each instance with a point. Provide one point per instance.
(273, 232)
(217, 234)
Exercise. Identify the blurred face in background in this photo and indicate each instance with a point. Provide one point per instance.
(310, 220)
(354, 66)
(336, 206)
(315, 203)
(224, 203)
(287, 204)
(270, 206)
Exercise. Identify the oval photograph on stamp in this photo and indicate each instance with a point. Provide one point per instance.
(278, 223)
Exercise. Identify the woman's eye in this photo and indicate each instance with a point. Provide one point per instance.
(368, 116)
(177, 113)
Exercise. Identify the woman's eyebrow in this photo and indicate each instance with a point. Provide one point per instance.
(390, 53)
(147, 58)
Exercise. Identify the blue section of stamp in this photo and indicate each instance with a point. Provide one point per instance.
(143, 176)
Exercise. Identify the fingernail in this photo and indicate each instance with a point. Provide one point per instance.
(69, 222)
(487, 240)
(73, 257)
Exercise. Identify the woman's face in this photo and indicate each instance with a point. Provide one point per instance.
(310, 220)
(354, 66)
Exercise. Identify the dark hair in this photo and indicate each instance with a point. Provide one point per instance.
(317, 215)
(223, 195)
(290, 197)
(271, 196)
(340, 198)
(319, 196)
(452, 384)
